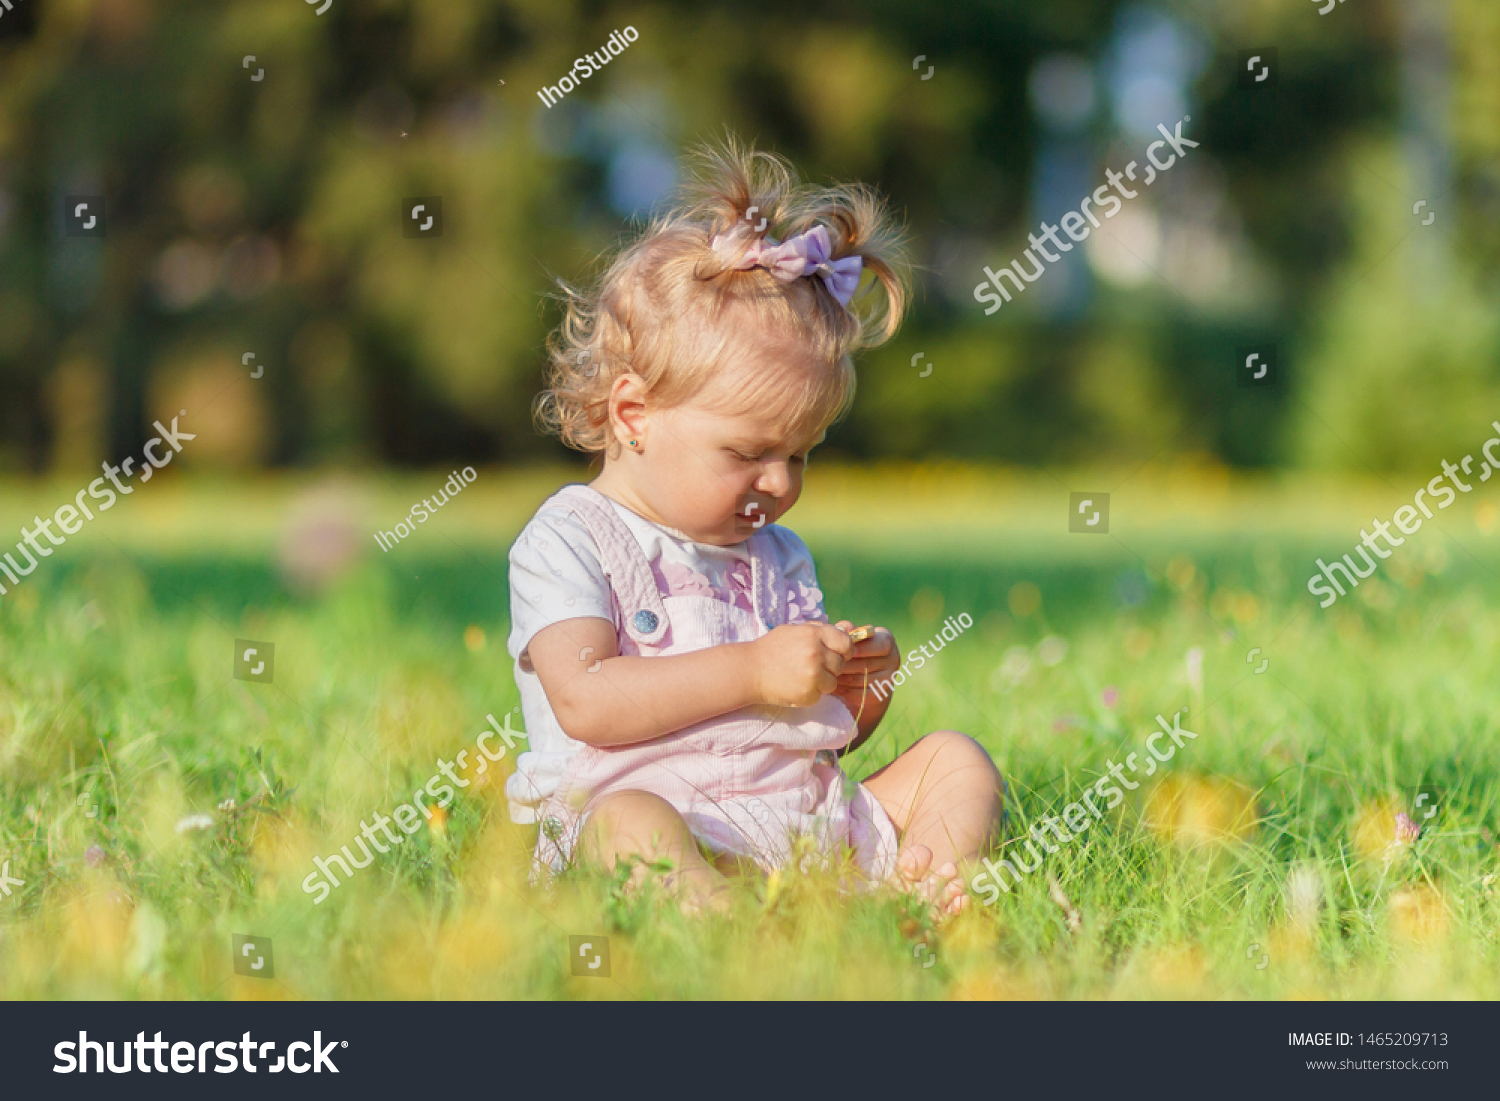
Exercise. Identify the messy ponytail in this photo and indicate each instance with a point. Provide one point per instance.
(675, 312)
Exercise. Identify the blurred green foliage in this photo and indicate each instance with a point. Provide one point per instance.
(264, 215)
(1275, 826)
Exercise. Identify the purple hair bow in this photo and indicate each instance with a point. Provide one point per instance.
(804, 254)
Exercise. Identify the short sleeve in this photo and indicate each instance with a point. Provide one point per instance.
(555, 574)
(804, 598)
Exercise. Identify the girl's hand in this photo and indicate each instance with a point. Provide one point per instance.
(797, 664)
(870, 661)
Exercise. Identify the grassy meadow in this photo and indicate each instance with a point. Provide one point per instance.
(152, 806)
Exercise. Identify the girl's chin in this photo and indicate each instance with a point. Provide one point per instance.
(736, 529)
(744, 526)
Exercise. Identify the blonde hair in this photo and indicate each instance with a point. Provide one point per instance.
(673, 312)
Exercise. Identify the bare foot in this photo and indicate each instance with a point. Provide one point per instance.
(716, 901)
(943, 889)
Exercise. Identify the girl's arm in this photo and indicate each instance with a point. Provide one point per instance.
(604, 699)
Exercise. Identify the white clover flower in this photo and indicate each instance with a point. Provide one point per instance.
(1014, 668)
(1304, 890)
(1194, 662)
(1052, 650)
(195, 822)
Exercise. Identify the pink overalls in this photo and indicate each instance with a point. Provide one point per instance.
(746, 782)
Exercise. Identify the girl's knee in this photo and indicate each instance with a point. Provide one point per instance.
(622, 807)
(958, 747)
(959, 758)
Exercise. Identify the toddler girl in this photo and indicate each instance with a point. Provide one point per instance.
(685, 695)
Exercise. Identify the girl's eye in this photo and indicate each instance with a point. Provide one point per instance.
(758, 458)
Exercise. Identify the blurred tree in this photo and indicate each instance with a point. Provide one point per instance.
(1404, 369)
(257, 207)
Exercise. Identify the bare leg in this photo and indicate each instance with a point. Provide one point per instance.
(944, 796)
(637, 823)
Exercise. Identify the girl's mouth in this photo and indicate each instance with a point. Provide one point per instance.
(755, 514)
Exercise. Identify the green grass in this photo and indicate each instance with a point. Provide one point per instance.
(115, 688)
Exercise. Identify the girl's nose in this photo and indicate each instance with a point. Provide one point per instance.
(774, 480)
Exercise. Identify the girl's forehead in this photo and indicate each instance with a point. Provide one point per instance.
(775, 391)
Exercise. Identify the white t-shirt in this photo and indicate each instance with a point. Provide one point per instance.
(556, 574)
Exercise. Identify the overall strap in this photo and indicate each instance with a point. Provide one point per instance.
(768, 590)
(643, 614)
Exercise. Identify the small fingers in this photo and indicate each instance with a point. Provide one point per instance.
(861, 682)
(864, 663)
(835, 640)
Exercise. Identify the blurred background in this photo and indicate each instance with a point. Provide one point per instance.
(254, 206)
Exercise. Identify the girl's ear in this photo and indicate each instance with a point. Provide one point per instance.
(627, 409)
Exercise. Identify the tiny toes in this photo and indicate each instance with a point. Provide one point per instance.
(914, 863)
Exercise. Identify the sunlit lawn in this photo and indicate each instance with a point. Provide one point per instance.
(1276, 827)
